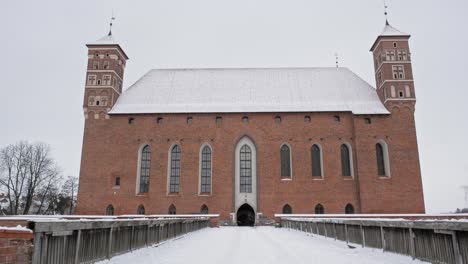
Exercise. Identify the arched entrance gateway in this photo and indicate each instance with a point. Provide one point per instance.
(245, 216)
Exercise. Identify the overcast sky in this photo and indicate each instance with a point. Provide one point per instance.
(44, 60)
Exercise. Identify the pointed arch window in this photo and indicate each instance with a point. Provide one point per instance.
(141, 210)
(285, 153)
(205, 170)
(381, 152)
(316, 161)
(245, 169)
(174, 181)
(287, 209)
(110, 210)
(349, 209)
(319, 209)
(204, 209)
(172, 210)
(345, 160)
(145, 166)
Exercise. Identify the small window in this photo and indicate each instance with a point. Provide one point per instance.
(204, 209)
(98, 82)
(131, 120)
(189, 120)
(337, 119)
(96, 65)
(97, 54)
(159, 120)
(319, 209)
(349, 209)
(278, 119)
(107, 55)
(110, 210)
(97, 103)
(172, 210)
(287, 209)
(307, 119)
(141, 210)
(367, 121)
(117, 181)
(394, 44)
(218, 120)
(400, 94)
(245, 119)
(106, 65)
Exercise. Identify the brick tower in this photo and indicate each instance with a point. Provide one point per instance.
(393, 70)
(104, 77)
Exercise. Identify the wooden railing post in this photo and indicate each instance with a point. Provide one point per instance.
(363, 236)
(109, 244)
(382, 237)
(346, 233)
(77, 247)
(36, 259)
(411, 243)
(456, 249)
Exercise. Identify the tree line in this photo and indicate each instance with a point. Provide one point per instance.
(31, 182)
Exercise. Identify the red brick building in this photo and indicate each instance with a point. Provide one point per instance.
(249, 143)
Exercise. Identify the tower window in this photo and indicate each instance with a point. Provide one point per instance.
(337, 118)
(98, 82)
(106, 65)
(106, 80)
(131, 120)
(117, 181)
(96, 65)
(278, 119)
(307, 119)
(400, 93)
(394, 44)
(218, 119)
(398, 72)
(389, 55)
(97, 102)
(367, 121)
(402, 56)
(92, 80)
(97, 54)
(245, 119)
(159, 120)
(189, 120)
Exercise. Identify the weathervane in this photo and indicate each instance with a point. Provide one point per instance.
(386, 12)
(337, 60)
(110, 24)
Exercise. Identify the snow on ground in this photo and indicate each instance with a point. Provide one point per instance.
(16, 228)
(256, 245)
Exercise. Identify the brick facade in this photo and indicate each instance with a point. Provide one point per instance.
(15, 246)
(111, 146)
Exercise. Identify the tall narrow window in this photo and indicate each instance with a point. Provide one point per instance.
(205, 171)
(245, 169)
(172, 210)
(349, 209)
(110, 210)
(316, 161)
(204, 209)
(319, 209)
(381, 152)
(141, 210)
(398, 72)
(345, 160)
(174, 181)
(285, 153)
(145, 165)
(287, 209)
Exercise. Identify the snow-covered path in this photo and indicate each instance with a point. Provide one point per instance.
(256, 245)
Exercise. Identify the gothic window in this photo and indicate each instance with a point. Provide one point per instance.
(285, 153)
(345, 160)
(106, 65)
(204, 209)
(174, 181)
(141, 210)
(245, 169)
(393, 91)
(287, 209)
(145, 165)
(172, 210)
(402, 55)
(110, 210)
(349, 209)
(205, 170)
(316, 161)
(91, 79)
(389, 55)
(381, 151)
(106, 80)
(319, 209)
(398, 72)
(96, 65)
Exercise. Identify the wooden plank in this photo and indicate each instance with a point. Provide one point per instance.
(456, 249)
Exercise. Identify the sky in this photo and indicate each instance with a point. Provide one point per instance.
(44, 60)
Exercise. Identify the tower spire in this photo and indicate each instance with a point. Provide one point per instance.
(386, 13)
(110, 24)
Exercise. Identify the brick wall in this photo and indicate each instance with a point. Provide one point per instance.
(15, 246)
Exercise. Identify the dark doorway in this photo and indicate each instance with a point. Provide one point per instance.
(245, 216)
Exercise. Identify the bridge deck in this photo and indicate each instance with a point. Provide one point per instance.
(256, 245)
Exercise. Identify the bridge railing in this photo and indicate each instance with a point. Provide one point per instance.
(91, 240)
(436, 241)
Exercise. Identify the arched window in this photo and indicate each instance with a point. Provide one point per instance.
(245, 169)
(145, 165)
(285, 153)
(205, 170)
(316, 161)
(174, 180)
(172, 210)
(287, 209)
(345, 160)
(349, 209)
(141, 210)
(110, 210)
(383, 166)
(204, 209)
(319, 209)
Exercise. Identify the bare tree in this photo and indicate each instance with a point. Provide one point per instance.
(24, 169)
(69, 190)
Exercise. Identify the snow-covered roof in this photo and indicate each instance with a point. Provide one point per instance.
(106, 40)
(391, 31)
(249, 90)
